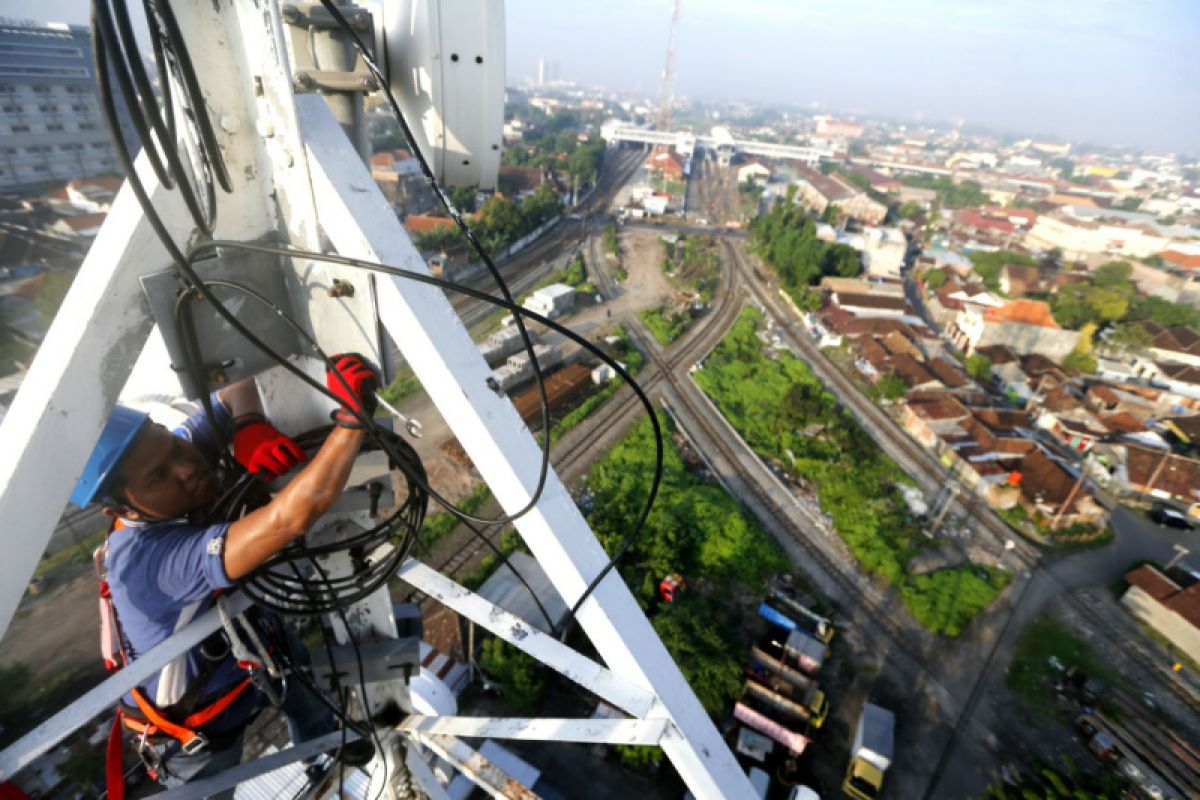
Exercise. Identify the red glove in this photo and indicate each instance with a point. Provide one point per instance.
(262, 449)
(353, 380)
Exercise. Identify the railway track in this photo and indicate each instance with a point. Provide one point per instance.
(577, 450)
(922, 463)
(517, 270)
(685, 393)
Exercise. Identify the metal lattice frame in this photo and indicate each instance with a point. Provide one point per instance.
(297, 177)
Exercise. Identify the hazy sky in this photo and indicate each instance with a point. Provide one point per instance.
(1108, 71)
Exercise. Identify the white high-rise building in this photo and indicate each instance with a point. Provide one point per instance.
(51, 127)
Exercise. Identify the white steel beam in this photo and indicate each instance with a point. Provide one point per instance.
(248, 770)
(603, 683)
(74, 381)
(360, 223)
(548, 729)
(422, 774)
(484, 773)
(103, 697)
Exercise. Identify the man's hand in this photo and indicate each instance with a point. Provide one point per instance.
(262, 449)
(353, 380)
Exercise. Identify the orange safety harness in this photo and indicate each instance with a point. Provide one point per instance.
(150, 723)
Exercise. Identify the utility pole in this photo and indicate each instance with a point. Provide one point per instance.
(1180, 552)
(1070, 498)
(666, 89)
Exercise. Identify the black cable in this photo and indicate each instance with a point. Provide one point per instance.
(410, 465)
(516, 310)
(434, 185)
(185, 266)
(362, 683)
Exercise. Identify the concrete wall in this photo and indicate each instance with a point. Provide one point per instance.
(1178, 631)
(1053, 343)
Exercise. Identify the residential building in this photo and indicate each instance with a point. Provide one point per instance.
(551, 301)
(1052, 495)
(883, 250)
(1079, 231)
(1023, 326)
(753, 172)
(817, 192)
(1140, 470)
(1168, 603)
(1177, 343)
(51, 126)
(837, 128)
(667, 163)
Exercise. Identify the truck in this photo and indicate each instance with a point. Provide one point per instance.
(808, 619)
(777, 721)
(780, 702)
(777, 613)
(791, 683)
(795, 648)
(871, 753)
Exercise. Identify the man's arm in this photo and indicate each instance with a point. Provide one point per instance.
(241, 398)
(262, 533)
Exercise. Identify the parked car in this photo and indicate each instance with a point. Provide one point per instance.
(1169, 517)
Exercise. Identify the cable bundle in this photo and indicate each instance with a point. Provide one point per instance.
(288, 583)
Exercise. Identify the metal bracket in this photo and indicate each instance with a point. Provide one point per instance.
(381, 659)
(309, 22)
(225, 355)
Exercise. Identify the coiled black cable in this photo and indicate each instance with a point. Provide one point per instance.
(169, 45)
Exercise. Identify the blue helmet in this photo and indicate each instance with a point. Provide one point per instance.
(119, 432)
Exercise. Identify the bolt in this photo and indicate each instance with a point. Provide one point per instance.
(303, 81)
(359, 20)
(219, 376)
(369, 83)
(291, 14)
(230, 123)
(341, 288)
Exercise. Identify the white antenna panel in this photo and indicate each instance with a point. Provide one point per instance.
(444, 62)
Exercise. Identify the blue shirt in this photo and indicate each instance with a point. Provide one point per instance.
(163, 574)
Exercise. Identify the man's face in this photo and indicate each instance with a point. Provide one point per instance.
(163, 476)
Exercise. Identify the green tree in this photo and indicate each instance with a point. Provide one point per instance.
(522, 680)
(1132, 336)
(585, 163)
(541, 206)
(499, 223)
(909, 210)
(611, 243)
(463, 198)
(935, 279)
(979, 367)
(1081, 358)
(437, 239)
(1164, 312)
(841, 260)
(891, 387)
(988, 265)
(1105, 304)
(1113, 275)
(702, 640)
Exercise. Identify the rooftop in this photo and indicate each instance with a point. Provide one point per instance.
(1022, 312)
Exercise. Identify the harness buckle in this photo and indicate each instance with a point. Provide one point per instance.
(148, 754)
(195, 744)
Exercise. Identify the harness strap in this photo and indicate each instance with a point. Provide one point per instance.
(223, 702)
(114, 765)
(185, 735)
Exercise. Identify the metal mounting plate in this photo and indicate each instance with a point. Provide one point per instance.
(226, 356)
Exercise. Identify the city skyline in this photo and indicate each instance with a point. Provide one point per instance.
(1104, 73)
